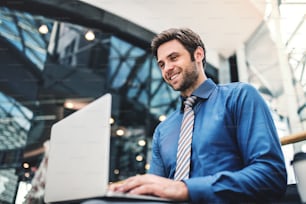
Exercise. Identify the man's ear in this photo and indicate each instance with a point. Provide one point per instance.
(199, 54)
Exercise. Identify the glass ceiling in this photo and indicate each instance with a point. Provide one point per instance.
(15, 122)
(22, 31)
(131, 70)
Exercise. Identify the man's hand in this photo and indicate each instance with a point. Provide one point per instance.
(149, 184)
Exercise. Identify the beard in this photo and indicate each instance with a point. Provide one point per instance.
(189, 78)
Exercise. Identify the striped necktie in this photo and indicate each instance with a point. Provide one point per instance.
(184, 143)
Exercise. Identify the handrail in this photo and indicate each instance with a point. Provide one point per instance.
(293, 138)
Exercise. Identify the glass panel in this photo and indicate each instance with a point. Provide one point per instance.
(15, 123)
(21, 30)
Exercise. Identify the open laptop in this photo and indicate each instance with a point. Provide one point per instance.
(78, 166)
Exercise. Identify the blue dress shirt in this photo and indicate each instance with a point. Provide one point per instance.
(236, 152)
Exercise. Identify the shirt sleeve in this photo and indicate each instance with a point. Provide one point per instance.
(156, 165)
(264, 176)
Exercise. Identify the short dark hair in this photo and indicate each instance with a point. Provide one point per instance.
(188, 38)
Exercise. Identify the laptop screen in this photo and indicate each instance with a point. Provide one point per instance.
(78, 165)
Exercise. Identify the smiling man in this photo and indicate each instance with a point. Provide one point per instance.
(231, 153)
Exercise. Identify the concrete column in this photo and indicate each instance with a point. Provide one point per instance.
(286, 76)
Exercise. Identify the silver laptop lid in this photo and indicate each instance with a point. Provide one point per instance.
(79, 153)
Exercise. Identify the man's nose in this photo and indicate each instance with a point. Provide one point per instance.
(169, 66)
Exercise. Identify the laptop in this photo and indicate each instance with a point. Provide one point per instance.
(78, 165)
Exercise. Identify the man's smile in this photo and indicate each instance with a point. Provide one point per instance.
(174, 76)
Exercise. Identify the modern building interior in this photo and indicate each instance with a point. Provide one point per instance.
(57, 56)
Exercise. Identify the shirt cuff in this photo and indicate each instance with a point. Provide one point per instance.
(200, 190)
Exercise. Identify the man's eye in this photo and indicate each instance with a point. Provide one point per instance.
(161, 65)
(173, 58)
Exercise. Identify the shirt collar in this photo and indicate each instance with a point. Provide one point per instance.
(203, 91)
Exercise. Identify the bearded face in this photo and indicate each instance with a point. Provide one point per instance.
(177, 68)
(189, 77)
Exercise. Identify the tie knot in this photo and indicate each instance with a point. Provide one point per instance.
(190, 101)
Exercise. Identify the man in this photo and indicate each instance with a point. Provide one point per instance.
(235, 152)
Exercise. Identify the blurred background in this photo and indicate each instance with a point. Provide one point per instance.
(57, 56)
